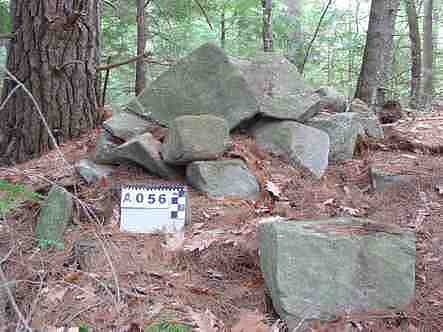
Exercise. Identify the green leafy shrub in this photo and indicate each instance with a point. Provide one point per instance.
(167, 327)
(11, 194)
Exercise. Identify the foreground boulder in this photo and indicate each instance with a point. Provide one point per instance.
(144, 150)
(279, 89)
(316, 270)
(223, 178)
(193, 138)
(55, 215)
(331, 99)
(205, 82)
(126, 125)
(92, 172)
(299, 144)
(343, 130)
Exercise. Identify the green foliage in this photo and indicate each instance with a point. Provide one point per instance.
(83, 329)
(5, 21)
(12, 194)
(167, 327)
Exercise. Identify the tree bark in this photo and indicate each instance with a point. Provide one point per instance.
(428, 49)
(414, 37)
(376, 67)
(267, 26)
(295, 51)
(54, 54)
(140, 71)
(223, 27)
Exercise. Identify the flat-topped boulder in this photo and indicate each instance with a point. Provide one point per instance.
(126, 125)
(204, 82)
(195, 138)
(223, 178)
(279, 89)
(144, 150)
(299, 144)
(318, 270)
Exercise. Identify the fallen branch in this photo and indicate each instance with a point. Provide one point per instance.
(7, 35)
(204, 14)
(126, 62)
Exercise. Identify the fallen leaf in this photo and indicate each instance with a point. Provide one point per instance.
(72, 277)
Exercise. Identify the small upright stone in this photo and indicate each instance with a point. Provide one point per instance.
(223, 178)
(195, 138)
(55, 215)
(359, 106)
(316, 270)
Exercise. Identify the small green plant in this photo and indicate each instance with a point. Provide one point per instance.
(83, 328)
(167, 327)
(11, 194)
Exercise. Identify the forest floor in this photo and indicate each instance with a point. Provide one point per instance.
(211, 278)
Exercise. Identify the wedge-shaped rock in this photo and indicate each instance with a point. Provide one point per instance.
(331, 99)
(92, 172)
(144, 150)
(223, 178)
(126, 125)
(315, 270)
(105, 149)
(278, 87)
(205, 82)
(299, 144)
(55, 215)
(343, 130)
(193, 138)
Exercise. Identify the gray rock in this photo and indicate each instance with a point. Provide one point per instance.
(381, 180)
(55, 215)
(205, 82)
(331, 99)
(370, 123)
(92, 172)
(193, 138)
(126, 125)
(343, 130)
(105, 149)
(315, 270)
(144, 150)
(223, 178)
(85, 254)
(299, 144)
(359, 106)
(279, 89)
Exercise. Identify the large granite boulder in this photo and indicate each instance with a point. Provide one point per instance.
(299, 144)
(331, 99)
(223, 178)
(195, 137)
(144, 150)
(343, 130)
(55, 215)
(279, 89)
(126, 125)
(316, 270)
(204, 82)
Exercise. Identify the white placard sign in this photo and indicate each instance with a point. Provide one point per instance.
(152, 209)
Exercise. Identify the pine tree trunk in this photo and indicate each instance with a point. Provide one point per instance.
(428, 48)
(376, 68)
(414, 37)
(54, 54)
(140, 71)
(267, 26)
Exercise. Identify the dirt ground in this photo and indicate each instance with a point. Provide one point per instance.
(213, 273)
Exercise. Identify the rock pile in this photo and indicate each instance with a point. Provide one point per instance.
(207, 95)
